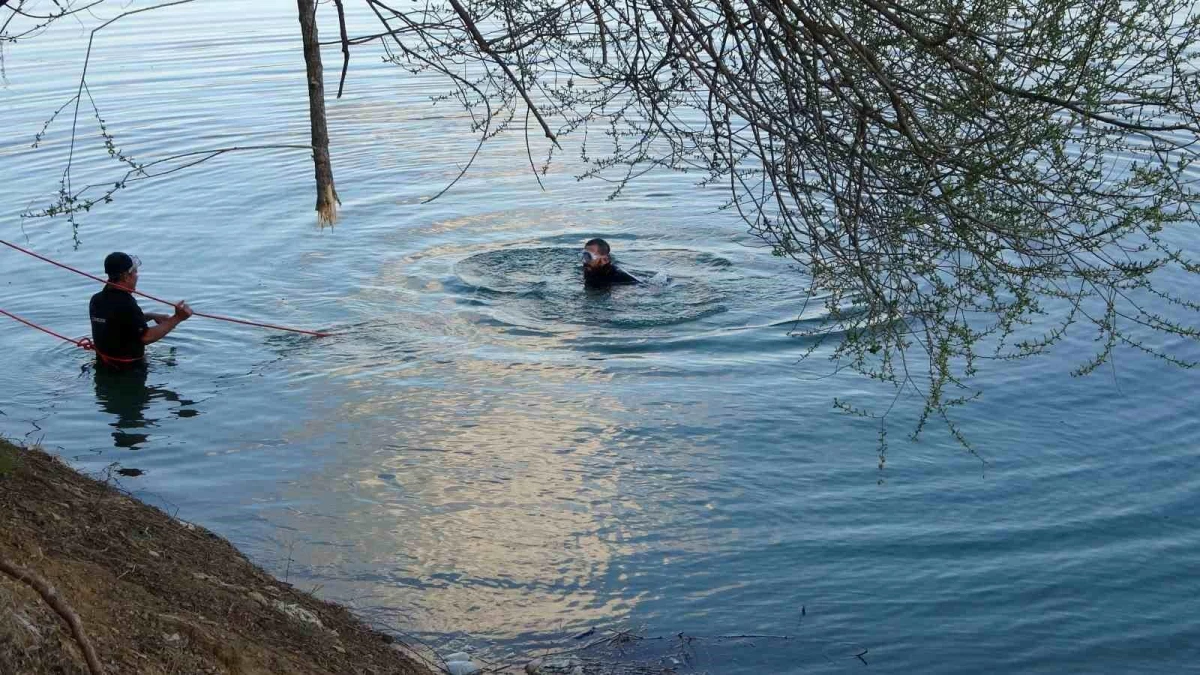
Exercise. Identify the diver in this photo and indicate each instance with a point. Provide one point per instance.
(598, 268)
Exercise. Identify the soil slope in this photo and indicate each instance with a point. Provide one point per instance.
(155, 594)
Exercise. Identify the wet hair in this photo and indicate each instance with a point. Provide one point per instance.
(600, 244)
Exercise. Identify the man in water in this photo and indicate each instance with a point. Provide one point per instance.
(598, 268)
(119, 330)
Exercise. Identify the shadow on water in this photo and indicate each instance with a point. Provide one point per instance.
(126, 395)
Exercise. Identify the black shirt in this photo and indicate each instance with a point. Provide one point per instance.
(117, 325)
(607, 276)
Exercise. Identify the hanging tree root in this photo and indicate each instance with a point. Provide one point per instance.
(60, 607)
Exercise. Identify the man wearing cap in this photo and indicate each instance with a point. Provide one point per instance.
(119, 329)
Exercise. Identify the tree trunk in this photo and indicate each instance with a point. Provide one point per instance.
(327, 199)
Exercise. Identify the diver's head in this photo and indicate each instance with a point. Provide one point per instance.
(596, 255)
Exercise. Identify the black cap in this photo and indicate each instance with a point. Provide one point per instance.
(118, 263)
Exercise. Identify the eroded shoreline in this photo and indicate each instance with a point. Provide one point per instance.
(155, 594)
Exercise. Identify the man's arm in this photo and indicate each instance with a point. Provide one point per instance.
(620, 276)
(151, 335)
(157, 317)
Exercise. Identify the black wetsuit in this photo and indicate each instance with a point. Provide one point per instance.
(117, 327)
(609, 275)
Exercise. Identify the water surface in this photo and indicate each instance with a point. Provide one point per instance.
(488, 455)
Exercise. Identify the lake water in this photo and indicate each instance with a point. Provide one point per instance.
(487, 456)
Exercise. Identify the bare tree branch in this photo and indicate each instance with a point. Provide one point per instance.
(487, 49)
(60, 607)
(345, 45)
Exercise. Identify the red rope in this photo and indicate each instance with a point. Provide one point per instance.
(83, 343)
(156, 299)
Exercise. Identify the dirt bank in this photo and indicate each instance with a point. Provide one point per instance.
(154, 594)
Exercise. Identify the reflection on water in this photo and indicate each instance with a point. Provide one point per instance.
(125, 394)
(485, 489)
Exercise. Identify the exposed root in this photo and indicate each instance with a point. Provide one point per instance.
(60, 606)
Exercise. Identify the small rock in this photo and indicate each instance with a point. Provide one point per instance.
(298, 613)
(457, 656)
(339, 649)
(172, 638)
(556, 665)
(153, 554)
(461, 667)
(257, 597)
(213, 580)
